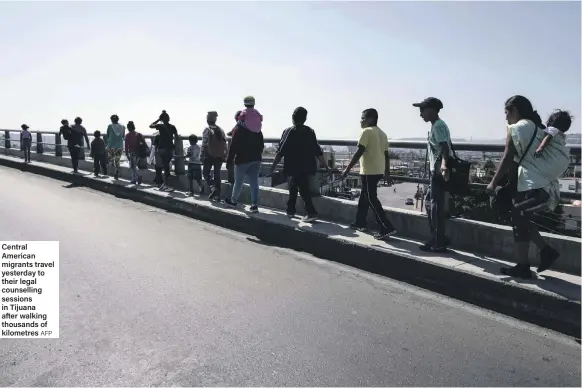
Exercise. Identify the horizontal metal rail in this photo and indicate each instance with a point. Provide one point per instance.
(398, 144)
(401, 144)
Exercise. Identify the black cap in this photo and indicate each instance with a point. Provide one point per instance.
(430, 102)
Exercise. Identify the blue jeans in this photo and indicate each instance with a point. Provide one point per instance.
(251, 171)
(133, 166)
(435, 208)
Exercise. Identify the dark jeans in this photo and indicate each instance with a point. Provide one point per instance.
(523, 228)
(369, 198)
(166, 156)
(74, 151)
(435, 208)
(26, 144)
(100, 162)
(300, 184)
(209, 163)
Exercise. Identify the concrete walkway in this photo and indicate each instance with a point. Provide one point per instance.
(455, 264)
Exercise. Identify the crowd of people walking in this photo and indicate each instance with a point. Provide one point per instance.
(535, 156)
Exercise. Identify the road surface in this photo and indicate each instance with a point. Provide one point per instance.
(152, 298)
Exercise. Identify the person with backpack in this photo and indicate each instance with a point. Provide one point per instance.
(212, 154)
(246, 153)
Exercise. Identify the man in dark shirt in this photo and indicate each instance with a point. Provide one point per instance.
(299, 148)
(77, 134)
(167, 135)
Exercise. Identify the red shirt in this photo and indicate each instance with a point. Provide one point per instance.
(132, 142)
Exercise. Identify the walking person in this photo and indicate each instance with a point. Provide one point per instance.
(115, 136)
(299, 148)
(212, 154)
(98, 153)
(133, 141)
(246, 153)
(438, 149)
(194, 165)
(535, 181)
(372, 154)
(168, 134)
(26, 142)
(77, 134)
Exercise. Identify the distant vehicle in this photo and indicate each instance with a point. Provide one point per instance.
(409, 201)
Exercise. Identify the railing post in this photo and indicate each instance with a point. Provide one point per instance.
(179, 164)
(7, 139)
(58, 147)
(39, 145)
(230, 169)
(82, 150)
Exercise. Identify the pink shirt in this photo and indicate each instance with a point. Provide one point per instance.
(252, 119)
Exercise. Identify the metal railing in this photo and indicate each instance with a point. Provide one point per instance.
(395, 144)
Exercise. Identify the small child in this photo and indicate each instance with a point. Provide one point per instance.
(98, 154)
(250, 118)
(194, 165)
(557, 125)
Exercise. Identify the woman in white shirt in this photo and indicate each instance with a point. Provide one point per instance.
(536, 183)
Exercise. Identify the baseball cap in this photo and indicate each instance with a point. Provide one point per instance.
(249, 100)
(429, 102)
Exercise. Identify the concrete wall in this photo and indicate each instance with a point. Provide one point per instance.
(480, 238)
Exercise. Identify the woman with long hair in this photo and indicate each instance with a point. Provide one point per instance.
(533, 182)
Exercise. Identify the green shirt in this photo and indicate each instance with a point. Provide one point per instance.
(439, 133)
(115, 136)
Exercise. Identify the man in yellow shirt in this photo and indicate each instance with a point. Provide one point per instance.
(372, 154)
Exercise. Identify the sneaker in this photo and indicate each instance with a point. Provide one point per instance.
(96, 175)
(133, 182)
(384, 234)
(254, 209)
(357, 227)
(518, 271)
(309, 218)
(291, 215)
(230, 202)
(548, 256)
(427, 245)
(190, 194)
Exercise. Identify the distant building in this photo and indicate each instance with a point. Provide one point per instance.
(569, 185)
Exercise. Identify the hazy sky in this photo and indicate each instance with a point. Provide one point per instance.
(92, 59)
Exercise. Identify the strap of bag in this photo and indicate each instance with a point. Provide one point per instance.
(529, 145)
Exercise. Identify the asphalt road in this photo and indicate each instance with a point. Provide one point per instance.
(151, 298)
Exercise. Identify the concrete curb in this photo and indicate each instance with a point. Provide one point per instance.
(529, 305)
